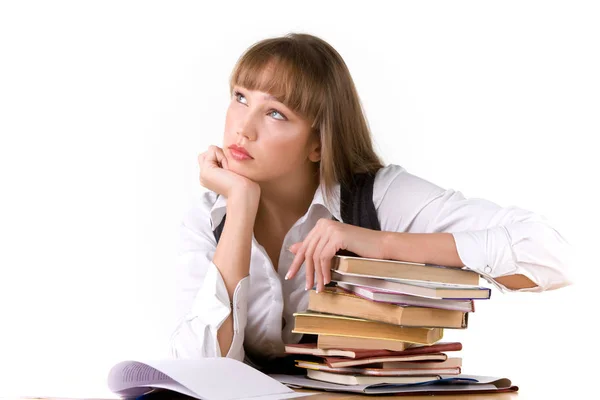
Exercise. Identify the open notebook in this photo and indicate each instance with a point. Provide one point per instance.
(207, 379)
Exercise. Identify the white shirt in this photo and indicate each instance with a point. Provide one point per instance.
(490, 240)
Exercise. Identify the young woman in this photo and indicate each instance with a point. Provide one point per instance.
(294, 134)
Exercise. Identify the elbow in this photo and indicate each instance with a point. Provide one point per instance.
(521, 282)
(517, 282)
(554, 278)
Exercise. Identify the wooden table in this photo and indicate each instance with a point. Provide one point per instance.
(320, 395)
(348, 396)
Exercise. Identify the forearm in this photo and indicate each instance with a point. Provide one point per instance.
(232, 256)
(426, 248)
(437, 249)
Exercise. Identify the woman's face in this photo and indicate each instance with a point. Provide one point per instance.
(278, 141)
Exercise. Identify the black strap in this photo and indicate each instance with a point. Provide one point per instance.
(356, 205)
(219, 229)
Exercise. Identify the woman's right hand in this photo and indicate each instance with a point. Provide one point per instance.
(216, 176)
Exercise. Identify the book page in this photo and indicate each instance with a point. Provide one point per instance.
(218, 378)
(134, 378)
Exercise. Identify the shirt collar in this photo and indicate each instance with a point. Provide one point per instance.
(219, 208)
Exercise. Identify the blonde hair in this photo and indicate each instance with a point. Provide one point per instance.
(310, 77)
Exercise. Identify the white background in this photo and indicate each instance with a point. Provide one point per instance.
(105, 105)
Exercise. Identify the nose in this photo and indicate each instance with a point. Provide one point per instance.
(247, 128)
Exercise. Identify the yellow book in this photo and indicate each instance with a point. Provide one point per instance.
(327, 324)
(404, 270)
(326, 342)
(337, 301)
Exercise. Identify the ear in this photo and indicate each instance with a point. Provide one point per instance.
(315, 153)
(315, 149)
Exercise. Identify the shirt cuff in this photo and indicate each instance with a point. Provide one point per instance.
(475, 248)
(212, 307)
(240, 317)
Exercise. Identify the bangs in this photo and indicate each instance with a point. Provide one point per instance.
(288, 76)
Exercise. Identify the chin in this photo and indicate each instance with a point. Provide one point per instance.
(240, 170)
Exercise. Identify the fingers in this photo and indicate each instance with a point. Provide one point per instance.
(296, 263)
(202, 165)
(225, 162)
(308, 249)
(205, 158)
(323, 255)
(201, 157)
(212, 155)
(295, 246)
(321, 260)
(317, 258)
(301, 257)
(220, 157)
(317, 251)
(326, 258)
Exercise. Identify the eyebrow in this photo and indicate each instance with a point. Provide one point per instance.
(271, 97)
(266, 96)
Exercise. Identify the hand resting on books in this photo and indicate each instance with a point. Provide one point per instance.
(324, 241)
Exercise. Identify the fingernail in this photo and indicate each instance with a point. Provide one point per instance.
(287, 276)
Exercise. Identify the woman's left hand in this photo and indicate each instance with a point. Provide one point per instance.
(324, 241)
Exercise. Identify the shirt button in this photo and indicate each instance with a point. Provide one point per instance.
(487, 269)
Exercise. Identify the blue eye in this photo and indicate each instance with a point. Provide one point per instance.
(275, 111)
(236, 94)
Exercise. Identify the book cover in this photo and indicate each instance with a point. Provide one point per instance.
(369, 344)
(323, 324)
(404, 270)
(338, 301)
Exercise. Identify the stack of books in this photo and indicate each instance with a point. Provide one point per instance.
(382, 321)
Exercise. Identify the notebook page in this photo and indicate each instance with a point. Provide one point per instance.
(208, 378)
(132, 378)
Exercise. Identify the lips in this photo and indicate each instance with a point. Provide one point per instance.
(239, 152)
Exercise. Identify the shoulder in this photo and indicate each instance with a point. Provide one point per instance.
(393, 183)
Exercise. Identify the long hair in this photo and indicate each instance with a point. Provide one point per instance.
(310, 77)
